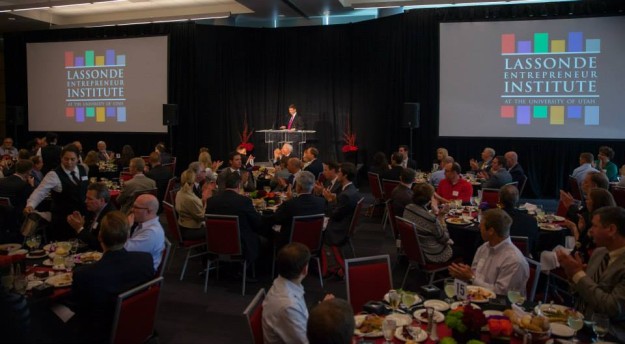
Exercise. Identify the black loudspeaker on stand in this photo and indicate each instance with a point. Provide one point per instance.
(410, 119)
(170, 119)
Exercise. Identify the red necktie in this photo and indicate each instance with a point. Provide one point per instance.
(290, 122)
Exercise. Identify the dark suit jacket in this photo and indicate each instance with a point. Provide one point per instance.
(102, 157)
(221, 180)
(517, 174)
(341, 216)
(392, 174)
(336, 188)
(95, 288)
(401, 196)
(315, 167)
(137, 184)
(524, 225)
(305, 204)
(161, 175)
(298, 122)
(89, 234)
(16, 189)
(231, 203)
(411, 163)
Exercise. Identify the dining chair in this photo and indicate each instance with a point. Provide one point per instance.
(171, 167)
(171, 184)
(561, 210)
(393, 224)
(366, 279)
(491, 197)
(388, 186)
(254, 315)
(522, 243)
(574, 188)
(174, 233)
(376, 190)
(125, 176)
(412, 249)
(619, 196)
(223, 239)
(172, 195)
(164, 257)
(522, 183)
(135, 313)
(532, 281)
(354, 224)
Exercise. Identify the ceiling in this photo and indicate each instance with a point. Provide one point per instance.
(25, 15)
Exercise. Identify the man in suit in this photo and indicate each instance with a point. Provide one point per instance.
(230, 202)
(523, 224)
(137, 184)
(498, 176)
(487, 156)
(166, 157)
(295, 122)
(341, 213)
(331, 182)
(98, 201)
(294, 166)
(103, 154)
(247, 180)
(402, 193)
(515, 169)
(50, 153)
(407, 162)
(304, 204)
(395, 171)
(95, 287)
(160, 174)
(311, 163)
(17, 187)
(600, 286)
(67, 184)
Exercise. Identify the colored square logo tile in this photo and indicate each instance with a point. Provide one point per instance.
(591, 115)
(507, 111)
(540, 112)
(574, 112)
(523, 115)
(557, 115)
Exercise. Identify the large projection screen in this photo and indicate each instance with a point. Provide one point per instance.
(115, 85)
(559, 78)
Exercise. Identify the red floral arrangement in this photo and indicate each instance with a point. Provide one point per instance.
(245, 137)
(350, 140)
(466, 318)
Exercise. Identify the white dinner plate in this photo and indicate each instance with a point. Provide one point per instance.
(60, 280)
(48, 262)
(457, 221)
(421, 335)
(36, 256)
(400, 319)
(358, 319)
(555, 313)
(10, 247)
(33, 283)
(421, 315)
(561, 330)
(461, 303)
(417, 299)
(473, 289)
(549, 227)
(20, 251)
(438, 305)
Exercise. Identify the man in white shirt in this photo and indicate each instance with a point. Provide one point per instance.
(8, 149)
(585, 166)
(284, 310)
(498, 265)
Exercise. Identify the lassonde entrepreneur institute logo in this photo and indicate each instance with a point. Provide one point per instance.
(95, 86)
(550, 79)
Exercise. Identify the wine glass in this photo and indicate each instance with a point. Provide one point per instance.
(513, 295)
(576, 322)
(407, 299)
(394, 299)
(74, 247)
(388, 329)
(69, 263)
(600, 325)
(450, 289)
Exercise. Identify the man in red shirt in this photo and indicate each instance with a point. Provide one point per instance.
(453, 186)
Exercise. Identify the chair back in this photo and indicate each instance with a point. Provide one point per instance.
(491, 197)
(391, 217)
(387, 188)
(522, 183)
(619, 196)
(410, 240)
(125, 176)
(223, 235)
(171, 167)
(532, 281)
(164, 256)
(172, 221)
(5, 202)
(254, 315)
(574, 188)
(172, 195)
(308, 230)
(522, 243)
(171, 184)
(135, 313)
(375, 185)
(146, 159)
(367, 279)
(355, 218)
(562, 210)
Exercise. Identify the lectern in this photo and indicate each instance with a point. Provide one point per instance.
(276, 138)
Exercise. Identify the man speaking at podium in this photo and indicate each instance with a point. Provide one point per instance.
(295, 122)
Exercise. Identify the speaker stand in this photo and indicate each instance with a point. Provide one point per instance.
(170, 133)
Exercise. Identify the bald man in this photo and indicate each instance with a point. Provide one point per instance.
(148, 235)
(515, 169)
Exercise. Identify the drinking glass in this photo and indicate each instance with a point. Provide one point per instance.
(267, 188)
(407, 299)
(514, 295)
(450, 289)
(600, 325)
(74, 247)
(394, 299)
(69, 263)
(388, 329)
(20, 283)
(33, 241)
(576, 322)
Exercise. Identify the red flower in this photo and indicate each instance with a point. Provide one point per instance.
(245, 136)
(350, 140)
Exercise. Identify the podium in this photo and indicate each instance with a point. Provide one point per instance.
(276, 138)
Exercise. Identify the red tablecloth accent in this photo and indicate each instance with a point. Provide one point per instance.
(7, 260)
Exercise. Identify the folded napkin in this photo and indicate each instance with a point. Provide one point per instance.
(529, 207)
(548, 259)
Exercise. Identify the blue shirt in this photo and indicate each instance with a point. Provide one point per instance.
(150, 238)
(580, 173)
(284, 313)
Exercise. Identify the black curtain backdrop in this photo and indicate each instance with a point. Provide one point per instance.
(359, 73)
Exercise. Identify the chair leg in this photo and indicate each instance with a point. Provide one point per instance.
(244, 276)
(319, 270)
(184, 267)
(208, 269)
(338, 256)
(173, 254)
(403, 282)
(432, 277)
(384, 218)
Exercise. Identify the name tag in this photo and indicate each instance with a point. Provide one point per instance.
(455, 193)
(84, 178)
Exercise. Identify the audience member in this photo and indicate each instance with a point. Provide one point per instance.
(81, 154)
(165, 155)
(498, 265)
(98, 203)
(91, 164)
(600, 286)
(515, 169)
(124, 159)
(585, 166)
(431, 229)
(379, 164)
(330, 182)
(36, 171)
(67, 184)
(148, 235)
(103, 154)
(437, 176)
(487, 157)
(331, 322)
(159, 174)
(395, 170)
(311, 163)
(294, 166)
(190, 208)
(441, 154)
(139, 183)
(51, 153)
(285, 314)
(621, 182)
(8, 149)
(402, 193)
(407, 162)
(605, 165)
(247, 180)
(249, 159)
(498, 176)
(17, 187)
(454, 186)
(523, 224)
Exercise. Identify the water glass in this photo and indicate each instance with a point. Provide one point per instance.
(600, 325)
(388, 329)
(450, 289)
(576, 322)
(20, 283)
(394, 299)
(69, 263)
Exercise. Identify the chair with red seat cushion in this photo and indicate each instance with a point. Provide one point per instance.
(619, 196)
(367, 279)
(375, 184)
(174, 233)
(223, 239)
(522, 243)
(254, 315)
(308, 230)
(562, 210)
(412, 248)
(491, 197)
(574, 188)
(135, 313)
(532, 281)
